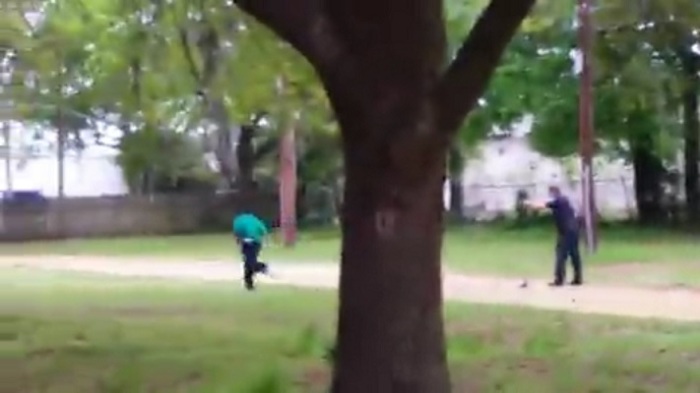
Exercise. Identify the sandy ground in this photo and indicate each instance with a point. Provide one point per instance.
(672, 304)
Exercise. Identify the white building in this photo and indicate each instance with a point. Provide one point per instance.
(502, 167)
(85, 175)
(92, 171)
(492, 177)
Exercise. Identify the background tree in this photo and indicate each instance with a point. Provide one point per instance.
(630, 117)
(637, 101)
(667, 31)
(510, 96)
(178, 67)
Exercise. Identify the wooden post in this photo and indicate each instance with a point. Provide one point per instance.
(288, 187)
(8, 155)
(61, 155)
(287, 175)
(586, 124)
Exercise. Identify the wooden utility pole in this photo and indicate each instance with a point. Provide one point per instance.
(60, 129)
(288, 173)
(7, 134)
(6, 111)
(586, 123)
(61, 156)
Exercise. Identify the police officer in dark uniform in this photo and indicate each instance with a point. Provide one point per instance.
(567, 227)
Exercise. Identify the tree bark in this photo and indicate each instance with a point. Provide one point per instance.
(691, 125)
(390, 335)
(390, 327)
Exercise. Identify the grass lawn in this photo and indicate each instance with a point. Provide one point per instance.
(64, 333)
(646, 256)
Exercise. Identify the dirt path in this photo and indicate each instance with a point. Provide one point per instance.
(675, 304)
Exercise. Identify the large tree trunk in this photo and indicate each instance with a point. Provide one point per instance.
(390, 335)
(691, 125)
(648, 178)
(382, 63)
(390, 327)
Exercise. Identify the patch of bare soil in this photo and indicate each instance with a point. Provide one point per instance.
(662, 303)
(657, 275)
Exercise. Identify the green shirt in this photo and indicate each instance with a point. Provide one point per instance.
(248, 226)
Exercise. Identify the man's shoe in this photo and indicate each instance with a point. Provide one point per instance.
(576, 283)
(270, 273)
(265, 269)
(556, 284)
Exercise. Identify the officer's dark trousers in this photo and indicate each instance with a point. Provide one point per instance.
(251, 265)
(567, 247)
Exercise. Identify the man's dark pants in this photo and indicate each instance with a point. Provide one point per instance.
(567, 247)
(251, 265)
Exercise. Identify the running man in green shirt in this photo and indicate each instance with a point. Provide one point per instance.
(250, 232)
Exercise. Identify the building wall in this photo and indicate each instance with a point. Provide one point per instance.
(502, 167)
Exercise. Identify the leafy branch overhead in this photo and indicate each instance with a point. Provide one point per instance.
(315, 30)
(477, 58)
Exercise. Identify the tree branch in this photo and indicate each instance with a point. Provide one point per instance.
(257, 118)
(189, 57)
(210, 46)
(468, 75)
(266, 148)
(306, 26)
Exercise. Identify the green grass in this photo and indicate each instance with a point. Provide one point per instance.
(64, 333)
(664, 257)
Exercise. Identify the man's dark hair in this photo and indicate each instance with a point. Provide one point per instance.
(554, 190)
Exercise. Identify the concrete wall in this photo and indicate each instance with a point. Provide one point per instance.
(129, 215)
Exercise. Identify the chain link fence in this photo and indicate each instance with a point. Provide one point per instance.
(615, 197)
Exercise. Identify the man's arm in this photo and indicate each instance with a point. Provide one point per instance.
(262, 228)
(539, 205)
(235, 230)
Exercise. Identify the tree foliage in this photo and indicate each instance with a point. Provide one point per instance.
(187, 67)
(638, 78)
(641, 59)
